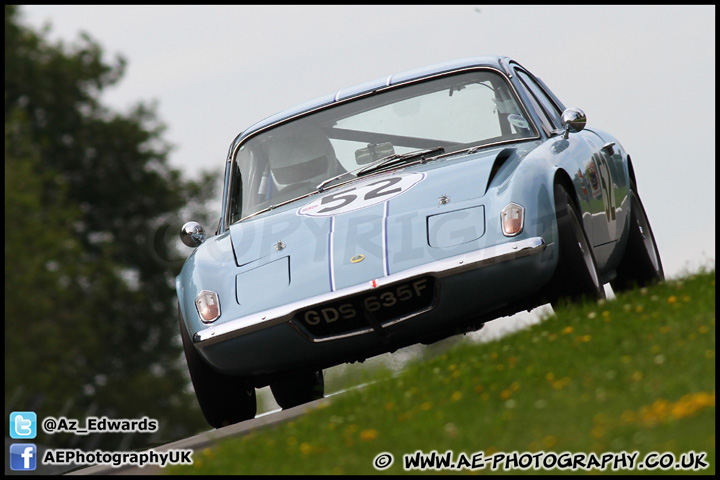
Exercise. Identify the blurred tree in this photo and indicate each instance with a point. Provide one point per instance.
(90, 308)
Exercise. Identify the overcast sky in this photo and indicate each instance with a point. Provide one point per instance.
(646, 74)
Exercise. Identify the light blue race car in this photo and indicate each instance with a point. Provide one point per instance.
(396, 212)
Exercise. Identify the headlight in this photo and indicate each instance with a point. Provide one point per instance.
(208, 306)
(513, 219)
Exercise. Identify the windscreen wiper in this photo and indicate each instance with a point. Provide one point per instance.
(389, 161)
(397, 159)
(326, 182)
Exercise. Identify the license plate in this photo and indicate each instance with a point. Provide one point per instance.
(383, 305)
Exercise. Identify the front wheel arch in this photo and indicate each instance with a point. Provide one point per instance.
(562, 178)
(223, 399)
(576, 275)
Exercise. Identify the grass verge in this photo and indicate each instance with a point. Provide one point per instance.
(634, 375)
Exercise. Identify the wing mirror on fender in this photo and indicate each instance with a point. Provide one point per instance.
(573, 120)
(192, 234)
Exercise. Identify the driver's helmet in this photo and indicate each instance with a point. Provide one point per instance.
(301, 153)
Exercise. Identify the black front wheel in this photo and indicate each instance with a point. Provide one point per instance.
(640, 264)
(298, 388)
(576, 276)
(223, 399)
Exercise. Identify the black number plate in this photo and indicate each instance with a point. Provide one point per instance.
(382, 304)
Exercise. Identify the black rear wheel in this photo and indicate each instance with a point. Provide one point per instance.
(223, 399)
(640, 264)
(576, 276)
(299, 388)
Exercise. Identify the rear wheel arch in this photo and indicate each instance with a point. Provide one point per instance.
(298, 388)
(631, 175)
(640, 264)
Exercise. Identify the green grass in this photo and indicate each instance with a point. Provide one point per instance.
(633, 374)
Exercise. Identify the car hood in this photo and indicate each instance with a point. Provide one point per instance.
(364, 230)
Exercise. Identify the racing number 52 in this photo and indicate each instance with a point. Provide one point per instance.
(382, 188)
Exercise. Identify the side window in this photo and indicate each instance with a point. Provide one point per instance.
(545, 122)
(550, 109)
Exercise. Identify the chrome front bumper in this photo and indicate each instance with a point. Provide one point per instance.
(438, 269)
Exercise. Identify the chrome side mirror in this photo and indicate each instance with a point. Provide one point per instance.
(573, 120)
(192, 234)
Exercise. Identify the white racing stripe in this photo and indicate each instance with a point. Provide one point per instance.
(331, 258)
(386, 260)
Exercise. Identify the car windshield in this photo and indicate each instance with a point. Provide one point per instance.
(454, 112)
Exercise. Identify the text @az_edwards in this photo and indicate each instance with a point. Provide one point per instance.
(51, 425)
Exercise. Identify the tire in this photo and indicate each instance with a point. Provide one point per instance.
(298, 389)
(640, 265)
(223, 399)
(576, 277)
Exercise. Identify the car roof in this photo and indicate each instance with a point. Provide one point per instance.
(496, 61)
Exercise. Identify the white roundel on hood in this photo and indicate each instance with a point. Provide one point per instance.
(355, 196)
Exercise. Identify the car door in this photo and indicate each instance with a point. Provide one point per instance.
(593, 174)
(606, 177)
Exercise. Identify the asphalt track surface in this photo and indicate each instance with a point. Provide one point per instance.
(207, 439)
